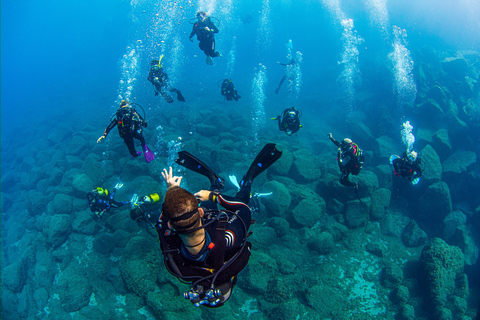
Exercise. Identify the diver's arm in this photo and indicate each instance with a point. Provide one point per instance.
(194, 31)
(110, 127)
(333, 140)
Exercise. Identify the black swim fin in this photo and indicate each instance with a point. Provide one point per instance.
(180, 96)
(264, 159)
(187, 160)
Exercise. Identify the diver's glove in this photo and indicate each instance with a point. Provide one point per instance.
(144, 124)
(100, 139)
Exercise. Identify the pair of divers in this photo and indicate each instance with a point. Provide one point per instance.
(130, 125)
(202, 245)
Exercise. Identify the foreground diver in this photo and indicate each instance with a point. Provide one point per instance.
(101, 200)
(350, 160)
(159, 78)
(228, 90)
(205, 30)
(287, 74)
(202, 245)
(289, 120)
(407, 165)
(130, 125)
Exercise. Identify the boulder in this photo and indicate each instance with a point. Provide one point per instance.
(456, 67)
(305, 166)
(278, 203)
(435, 203)
(283, 165)
(257, 274)
(413, 236)
(82, 184)
(74, 289)
(385, 146)
(322, 243)
(441, 142)
(62, 204)
(453, 220)
(432, 166)
(310, 211)
(440, 266)
(14, 276)
(458, 165)
(57, 228)
(464, 239)
(391, 276)
(380, 203)
(356, 215)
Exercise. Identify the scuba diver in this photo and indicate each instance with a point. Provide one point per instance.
(130, 125)
(202, 245)
(288, 74)
(289, 120)
(350, 160)
(101, 200)
(205, 30)
(159, 78)
(407, 165)
(228, 90)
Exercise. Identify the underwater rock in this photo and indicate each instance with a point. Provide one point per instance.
(327, 301)
(441, 143)
(84, 223)
(458, 164)
(57, 228)
(406, 313)
(440, 265)
(82, 185)
(337, 230)
(393, 224)
(41, 298)
(305, 166)
(44, 269)
(280, 225)
(223, 159)
(367, 183)
(384, 175)
(74, 290)
(456, 67)
(140, 264)
(322, 243)
(103, 243)
(439, 94)
(14, 276)
(413, 236)
(374, 248)
(257, 274)
(62, 204)
(391, 276)
(309, 212)
(435, 203)
(76, 146)
(278, 203)
(263, 237)
(356, 214)
(283, 165)
(93, 168)
(400, 295)
(470, 111)
(430, 111)
(432, 166)
(36, 202)
(55, 177)
(464, 239)
(453, 220)
(385, 146)
(279, 290)
(380, 203)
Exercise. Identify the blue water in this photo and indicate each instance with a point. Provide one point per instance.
(66, 65)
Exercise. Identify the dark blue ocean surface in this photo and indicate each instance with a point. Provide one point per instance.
(392, 76)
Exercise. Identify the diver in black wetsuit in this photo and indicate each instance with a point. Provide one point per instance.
(407, 165)
(228, 90)
(130, 125)
(101, 200)
(287, 74)
(159, 78)
(205, 30)
(289, 120)
(201, 244)
(350, 160)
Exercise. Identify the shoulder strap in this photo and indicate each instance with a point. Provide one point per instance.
(220, 242)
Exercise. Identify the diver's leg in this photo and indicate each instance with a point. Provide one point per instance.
(344, 180)
(131, 148)
(166, 96)
(280, 84)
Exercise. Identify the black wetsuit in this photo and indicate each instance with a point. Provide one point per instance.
(159, 78)
(101, 203)
(130, 125)
(289, 121)
(407, 168)
(228, 90)
(234, 235)
(206, 38)
(350, 160)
